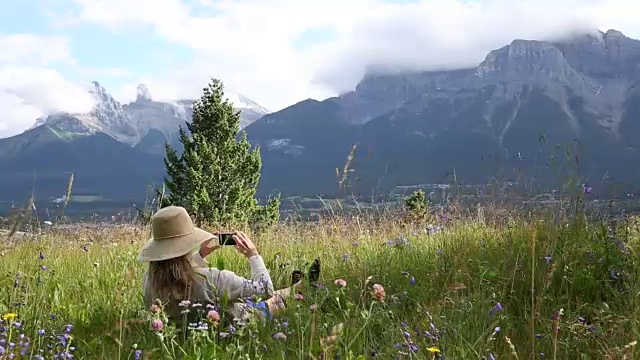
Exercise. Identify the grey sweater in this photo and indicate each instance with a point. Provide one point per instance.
(211, 283)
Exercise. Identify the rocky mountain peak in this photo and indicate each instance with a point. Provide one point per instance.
(611, 33)
(603, 55)
(525, 61)
(143, 93)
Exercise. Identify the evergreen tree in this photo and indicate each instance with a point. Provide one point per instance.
(216, 176)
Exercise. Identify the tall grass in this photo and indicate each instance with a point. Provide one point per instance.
(467, 287)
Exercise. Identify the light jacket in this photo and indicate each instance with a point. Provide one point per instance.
(210, 283)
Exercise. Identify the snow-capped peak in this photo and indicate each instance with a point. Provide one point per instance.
(131, 122)
(143, 93)
(241, 102)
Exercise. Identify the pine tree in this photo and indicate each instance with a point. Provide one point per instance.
(216, 176)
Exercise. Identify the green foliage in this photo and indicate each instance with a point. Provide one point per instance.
(417, 206)
(468, 291)
(217, 175)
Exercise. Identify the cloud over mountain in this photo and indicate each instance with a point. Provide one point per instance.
(274, 51)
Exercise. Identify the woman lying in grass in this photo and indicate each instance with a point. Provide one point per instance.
(177, 276)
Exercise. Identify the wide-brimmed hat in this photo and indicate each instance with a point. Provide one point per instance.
(174, 235)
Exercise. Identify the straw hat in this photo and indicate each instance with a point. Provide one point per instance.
(174, 235)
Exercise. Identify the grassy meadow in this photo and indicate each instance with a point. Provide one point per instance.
(476, 286)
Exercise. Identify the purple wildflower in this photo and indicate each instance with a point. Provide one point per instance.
(496, 309)
(547, 259)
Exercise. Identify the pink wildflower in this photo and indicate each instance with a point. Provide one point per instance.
(213, 316)
(378, 292)
(155, 308)
(299, 297)
(340, 282)
(157, 325)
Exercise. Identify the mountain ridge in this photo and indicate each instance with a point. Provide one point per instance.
(129, 123)
(529, 110)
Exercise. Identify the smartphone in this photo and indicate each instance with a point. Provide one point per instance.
(226, 239)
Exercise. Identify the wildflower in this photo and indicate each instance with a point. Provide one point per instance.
(313, 307)
(496, 309)
(157, 325)
(213, 316)
(299, 297)
(547, 259)
(137, 354)
(232, 329)
(337, 329)
(18, 325)
(43, 268)
(378, 292)
(412, 281)
(2, 350)
(9, 317)
(433, 350)
(492, 357)
(280, 336)
(340, 282)
(184, 303)
(223, 334)
(586, 188)
(40, 255)
(154, 308)
(41, 332)
(328, 340)
(355, 244)
(406, 334)
(615, 275)
(345, 257)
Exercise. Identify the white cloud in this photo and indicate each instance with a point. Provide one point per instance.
(28, 89)
(40, 50)
(251, 44)
(45, 89)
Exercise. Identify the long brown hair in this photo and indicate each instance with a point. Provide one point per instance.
(171, 279)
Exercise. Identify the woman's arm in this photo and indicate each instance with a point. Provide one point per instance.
(237, 287)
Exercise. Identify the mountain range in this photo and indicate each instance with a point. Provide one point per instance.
(530, 109)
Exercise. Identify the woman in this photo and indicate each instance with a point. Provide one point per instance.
(178, 273)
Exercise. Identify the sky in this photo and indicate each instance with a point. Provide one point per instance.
(276, 52)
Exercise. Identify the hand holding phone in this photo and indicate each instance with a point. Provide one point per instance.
(226, 238)
(244, 245)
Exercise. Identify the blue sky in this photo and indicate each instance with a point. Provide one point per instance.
(276, 52)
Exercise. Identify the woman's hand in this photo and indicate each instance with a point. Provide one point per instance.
(209, 246)
(244, 245)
